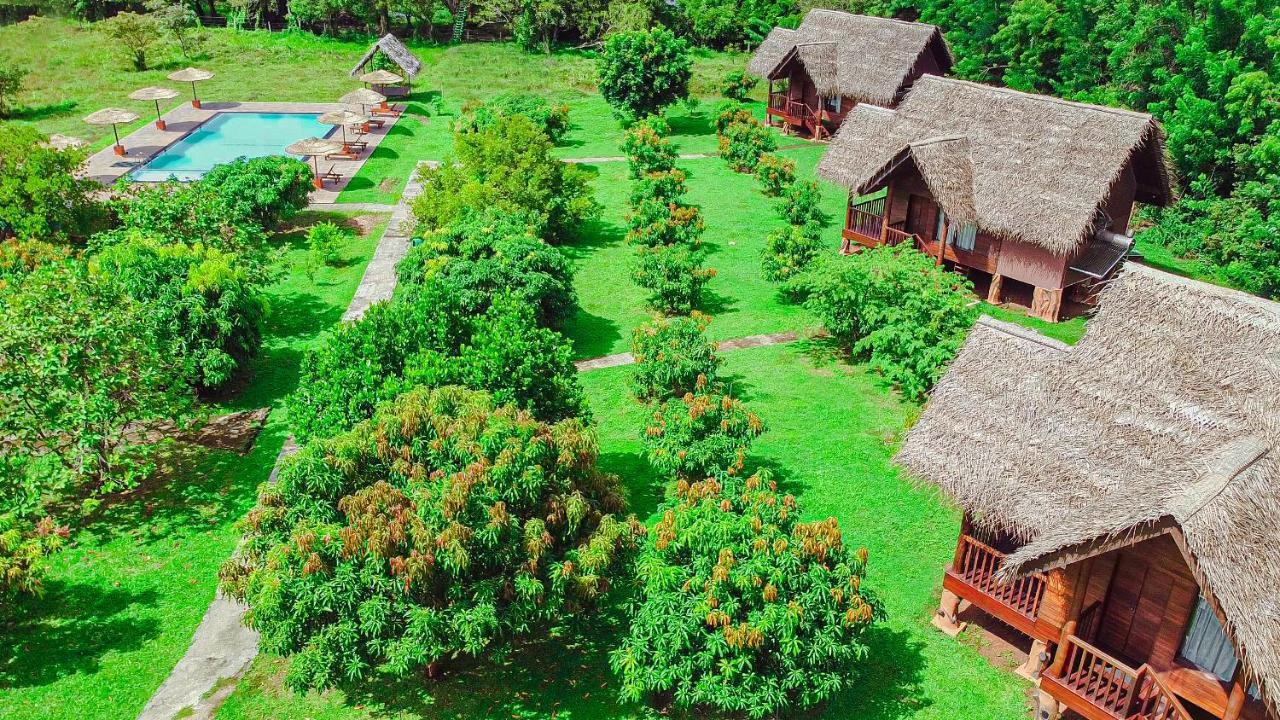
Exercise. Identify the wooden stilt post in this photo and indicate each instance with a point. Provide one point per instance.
(996, 288)
(1046, 304)
(1073, 617)
(888, 212)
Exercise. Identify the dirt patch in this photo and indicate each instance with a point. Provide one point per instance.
(388, 184)
(235, 432)
(364, 224)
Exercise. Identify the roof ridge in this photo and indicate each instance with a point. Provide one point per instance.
(929, 77)
(1226, 464)
(877, 18)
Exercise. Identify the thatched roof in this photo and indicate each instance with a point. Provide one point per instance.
(865, 58)
(1165, 418)
(396, 51)
(1040, 166)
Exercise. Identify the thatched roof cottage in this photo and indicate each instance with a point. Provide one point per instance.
(397, 52)
(1029, 192)
(1122, 498)
(836, 60)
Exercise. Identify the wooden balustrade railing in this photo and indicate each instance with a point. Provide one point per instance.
(894, 236)
(874, 206)
(977, 564)
(1113, 687)
(865, 224)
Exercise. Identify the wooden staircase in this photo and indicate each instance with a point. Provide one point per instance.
(1100, 687)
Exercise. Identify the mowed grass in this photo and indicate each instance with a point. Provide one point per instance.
(831, 433)
(121, 603)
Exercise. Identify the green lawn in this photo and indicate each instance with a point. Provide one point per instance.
(831, 435)
(122, 602)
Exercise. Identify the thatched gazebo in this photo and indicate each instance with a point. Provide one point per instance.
(395, 51)
(1141, 467)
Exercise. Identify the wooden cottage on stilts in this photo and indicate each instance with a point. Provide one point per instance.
(1028, 194)
(1121, 499)
(818, 72)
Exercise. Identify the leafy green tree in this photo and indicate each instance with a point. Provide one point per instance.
(552, 120)
(673, 357)
(41, 197)
(745, 142)
(743, 609)
(701, 434)
(737, 85)
(444, 526)
(673, 275)
(24, 546)
(509, 166)
(180, 22)
(264, 190)
(801, 204)
(325, 241)
(789, 250)
(647, 148)
(895, 308)
(135, 35)
(11, 77)
(198, 303)
(775, 174)
(732, 23)
(657, 221)
(84, 389)
(643, 72)
(19, 257)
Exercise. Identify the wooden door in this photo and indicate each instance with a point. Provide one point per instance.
(1146, 609)
(922, 216)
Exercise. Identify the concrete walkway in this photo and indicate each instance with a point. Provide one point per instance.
(222, 646)
(351, 207)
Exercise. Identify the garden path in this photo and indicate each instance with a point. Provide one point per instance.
(626, 358)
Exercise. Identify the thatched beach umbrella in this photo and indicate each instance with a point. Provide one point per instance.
(193, 76)
(155, 94)
(381, 78)
(364, 97)
(314, 148)
(58, 141)
(113, 117)
(343, 118)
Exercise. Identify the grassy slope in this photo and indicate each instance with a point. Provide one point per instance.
(122, 602)
(841, 469)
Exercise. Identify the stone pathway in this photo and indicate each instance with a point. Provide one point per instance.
(622, 158)
(352, 207)
(222, 646)
(627, 358)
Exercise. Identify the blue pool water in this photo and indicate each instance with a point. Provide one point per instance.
(227, 136)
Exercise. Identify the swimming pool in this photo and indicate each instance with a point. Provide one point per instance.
(227, 136)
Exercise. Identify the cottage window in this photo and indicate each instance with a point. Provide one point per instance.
(959, 237)
(832, 104)
(1206, 644)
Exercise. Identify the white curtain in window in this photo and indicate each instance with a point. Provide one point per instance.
(960, 237)
(1206, 644)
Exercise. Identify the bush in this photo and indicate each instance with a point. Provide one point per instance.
(743, 143)
(444, 526)
(642, 72)
(896, 308)
(729, 112)
(134, 34)
(701, 434)
(11, 77)
(511, 358)
(552, 120)
(666, 186)
(20, 257)
(789, 250)
(264, 190)
(775, 174)
(672, 357)
(742, 608)
(511, 167)
(655, 223)
(801, 204)
(200, 305)
(41, 195)
(647, 148)
(24, 545)
(324, 245)
(674, 277)
(737, 85)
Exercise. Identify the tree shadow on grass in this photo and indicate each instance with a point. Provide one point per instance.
(887, 685)
(644, 485)
(594, 235)
(32, 113)
(69, 630)
(695, 124)
(592, 335)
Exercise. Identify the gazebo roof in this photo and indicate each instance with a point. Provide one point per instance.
(391, 46)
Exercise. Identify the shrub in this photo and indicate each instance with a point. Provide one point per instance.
(11, 77)
(200, 305)
(737, 85)
(775, 174)
(729, 112)
(672, 357)
(665, 186)
(743, 143)
(511, 358)
(511, 167)
(264, 190)
(41, 195)
(642, 72)
(20, 257)
(361, 364)
(552, 120)
(647, 148)
(801, 204)
(134, 34)
(444, 526)
(896, 308)
(701, 434)
(24, 545)
(674, 277)
(742, 608)
(324, 245)
(789, 250)
(655, 223)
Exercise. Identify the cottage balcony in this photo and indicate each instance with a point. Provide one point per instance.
(1097, 686)
(798, 115)
(864, 224)
(972, 576)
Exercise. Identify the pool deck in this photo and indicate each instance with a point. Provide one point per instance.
(148, 141)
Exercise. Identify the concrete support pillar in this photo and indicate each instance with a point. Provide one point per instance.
(1047, 707)
(945, 619)
(1036, 660)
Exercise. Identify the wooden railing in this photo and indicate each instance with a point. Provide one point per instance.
(977, 564)
(866, 224)
(894, 236)
(874, 206)
(800, 112)
(1110, 688)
